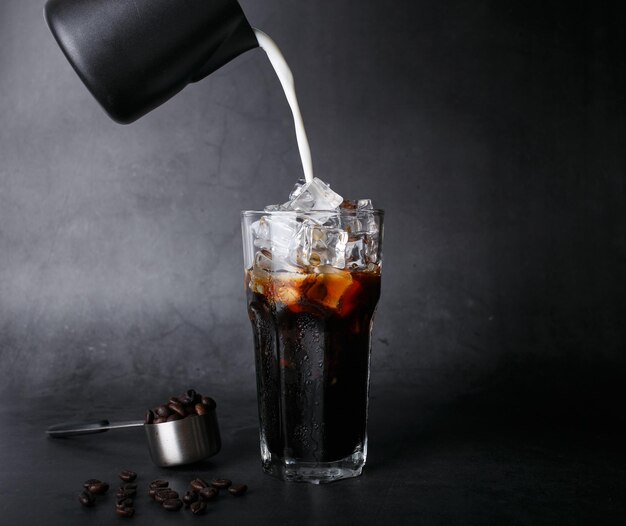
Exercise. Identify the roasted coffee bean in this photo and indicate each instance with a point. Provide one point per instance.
(130, 492)
(125, 512)
(157, 485)
(122, 494)
(198, 507)
(162, 411)
(237, 490)
(190, 497)
(197, 485)
(89, 482)
(172, 504)
(165, 494)
(190, 403)
(125, 503)
(127, 475)
(98, 488)
(87, 499)
(165, 491)
(185, 401)
(202, 409)
(187, 404)
(221, 483)
(208, 493)
(207, 400)
(160, 495)
(190, 398)
(177, 408)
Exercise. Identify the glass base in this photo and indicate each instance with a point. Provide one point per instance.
(292, 470)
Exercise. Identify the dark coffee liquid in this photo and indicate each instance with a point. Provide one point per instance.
(312, 345)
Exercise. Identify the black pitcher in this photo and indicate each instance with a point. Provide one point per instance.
(133, 55)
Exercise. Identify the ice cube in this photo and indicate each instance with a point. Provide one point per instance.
(287, 288)
(356, 252)
(320, 245)
(371, 247)
(273, 208)
(276, 233)
(368, 222)
(297, 189)
(315, 195)
(358, 204)
(263, 261)
(260, 271)
(350, 223)
(360, 221)
(348, 204)
(357, 216)
(329, 286)
(350, 299)
(362, 250)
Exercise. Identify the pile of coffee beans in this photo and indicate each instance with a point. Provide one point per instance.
(190, 403)
(196, 499)
(197, 496)
(91, 488)
(124, 503)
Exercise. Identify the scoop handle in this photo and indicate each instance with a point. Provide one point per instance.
(69, 429)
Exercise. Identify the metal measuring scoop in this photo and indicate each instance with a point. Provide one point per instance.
(174, 443)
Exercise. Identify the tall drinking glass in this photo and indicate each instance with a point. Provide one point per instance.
(313, 281)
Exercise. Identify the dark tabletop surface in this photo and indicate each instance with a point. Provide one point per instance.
(428, 464)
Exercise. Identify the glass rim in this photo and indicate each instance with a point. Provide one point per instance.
(313, 213)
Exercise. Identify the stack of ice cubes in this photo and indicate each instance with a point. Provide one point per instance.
(316, 229)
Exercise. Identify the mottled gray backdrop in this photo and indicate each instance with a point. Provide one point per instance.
(492, 133)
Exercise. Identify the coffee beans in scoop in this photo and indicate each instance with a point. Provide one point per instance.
(189, 404)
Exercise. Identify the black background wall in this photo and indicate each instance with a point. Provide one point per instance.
(492, 133)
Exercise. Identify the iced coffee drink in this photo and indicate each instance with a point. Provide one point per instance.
(312, 275)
